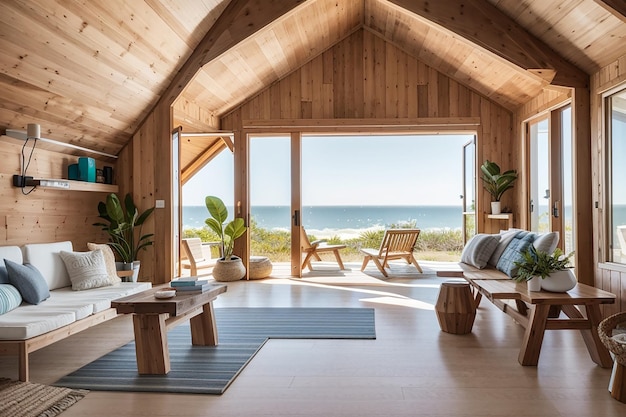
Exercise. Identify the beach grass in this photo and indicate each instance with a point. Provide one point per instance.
(432, 245)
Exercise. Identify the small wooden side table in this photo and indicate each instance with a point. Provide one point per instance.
(455, 307)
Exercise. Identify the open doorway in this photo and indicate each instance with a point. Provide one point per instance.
(355, 186)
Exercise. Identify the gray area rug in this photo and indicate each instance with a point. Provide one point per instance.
(27, 399)
(211, 369)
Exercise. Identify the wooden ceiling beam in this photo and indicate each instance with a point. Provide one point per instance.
(239, 20)
(481, 23)
(617, 7)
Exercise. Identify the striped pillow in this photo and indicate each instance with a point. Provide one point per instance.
(479, 249)
(10, 298)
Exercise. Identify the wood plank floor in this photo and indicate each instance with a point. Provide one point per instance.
(411, 369)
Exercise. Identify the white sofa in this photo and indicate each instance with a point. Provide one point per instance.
(29, 327)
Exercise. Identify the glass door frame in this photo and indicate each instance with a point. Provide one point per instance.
(464, 196)
(555, 170)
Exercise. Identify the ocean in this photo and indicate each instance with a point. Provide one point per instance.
(349, 221)
(343, 221)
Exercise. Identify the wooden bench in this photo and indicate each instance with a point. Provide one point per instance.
(540, 311)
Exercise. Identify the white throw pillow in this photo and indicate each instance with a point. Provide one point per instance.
(479, 249)
(546, 242)
(109, 260)
(86, 269)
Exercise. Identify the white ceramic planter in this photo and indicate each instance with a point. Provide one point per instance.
(559, 281)
(535, 284)
(495, 207)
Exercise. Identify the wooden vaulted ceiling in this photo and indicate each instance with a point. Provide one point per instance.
(90, 72)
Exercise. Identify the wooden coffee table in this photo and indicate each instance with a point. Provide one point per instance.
(153, 317)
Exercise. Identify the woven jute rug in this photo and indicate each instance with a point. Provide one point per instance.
(27, 399)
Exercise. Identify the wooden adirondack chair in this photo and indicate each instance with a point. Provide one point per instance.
(196, 258)
(396, 244)
(312, 250)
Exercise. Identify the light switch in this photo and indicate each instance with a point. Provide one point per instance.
(160, 204)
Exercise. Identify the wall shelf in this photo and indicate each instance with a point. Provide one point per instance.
(71, 185)
(502, 216)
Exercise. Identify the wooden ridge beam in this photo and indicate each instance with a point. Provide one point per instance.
(484, 25)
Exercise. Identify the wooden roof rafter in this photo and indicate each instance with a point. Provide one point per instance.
(240, 20)
(484, 25)
(191, 169)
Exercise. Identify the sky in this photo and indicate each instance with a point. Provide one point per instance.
(343, 170)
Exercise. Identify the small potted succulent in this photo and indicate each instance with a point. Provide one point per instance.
(546, 271)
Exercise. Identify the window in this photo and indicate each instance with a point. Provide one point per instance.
(616, 135)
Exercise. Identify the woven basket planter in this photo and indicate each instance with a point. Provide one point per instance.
(605, 330)
(226, 270)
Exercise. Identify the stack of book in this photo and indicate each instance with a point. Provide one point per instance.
(190, 285)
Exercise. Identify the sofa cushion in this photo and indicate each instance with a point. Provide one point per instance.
(109, 260)
(45, 257)
(29, 282)
(10, 298)
(514, 253)
(64, 307)
(12, 253)
(86, 269)
(479, 249)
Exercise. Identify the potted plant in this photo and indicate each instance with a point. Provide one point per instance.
(124, 226)
(545, 271)
(229, 267)
(496, 183)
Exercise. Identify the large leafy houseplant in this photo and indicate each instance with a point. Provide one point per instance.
(124, 226)
(496, 182)
(536, 263)
(227, 232)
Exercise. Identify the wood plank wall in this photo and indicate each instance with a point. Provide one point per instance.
(366, 77)
(45, 215)
(610, 277)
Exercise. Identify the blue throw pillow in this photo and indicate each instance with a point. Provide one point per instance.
(513, 253)
(10, 298)
(29, 282)
(4, 275)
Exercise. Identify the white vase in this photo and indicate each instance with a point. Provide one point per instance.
(226, 270)
(534, 284)
(495, 207)
(559, 281)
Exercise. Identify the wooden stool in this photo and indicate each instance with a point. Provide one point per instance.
(455, 307)
(260, 267)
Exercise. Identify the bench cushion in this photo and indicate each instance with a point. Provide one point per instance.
(64, 307)
(479, 249)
